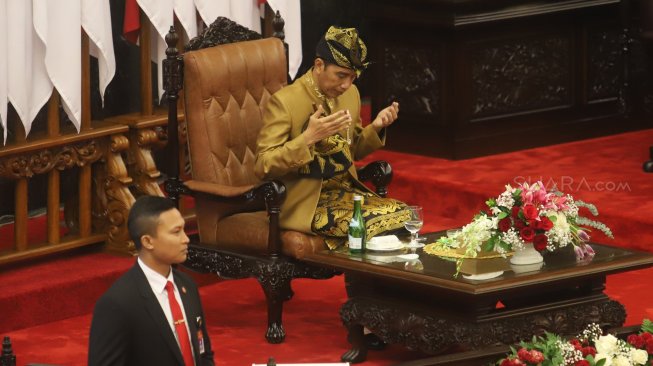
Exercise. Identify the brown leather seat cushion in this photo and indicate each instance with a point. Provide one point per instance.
(248, 232)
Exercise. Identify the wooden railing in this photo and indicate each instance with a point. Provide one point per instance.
(97, 203)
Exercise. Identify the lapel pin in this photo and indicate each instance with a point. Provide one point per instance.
(183, 289)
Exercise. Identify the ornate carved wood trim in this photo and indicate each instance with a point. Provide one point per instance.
(432, 333)
(26, 165)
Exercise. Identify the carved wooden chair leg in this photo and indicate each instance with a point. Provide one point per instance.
(358, 351)
(648, 166)
(7, 358)
(288, 293)
(275, 280)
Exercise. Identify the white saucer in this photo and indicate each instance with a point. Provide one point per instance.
(385, 247)
(483, 276)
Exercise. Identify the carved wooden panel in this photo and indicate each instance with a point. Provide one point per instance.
(432, 333)
(44, 160)
(520, 74)
(604, 63)
(412, 77)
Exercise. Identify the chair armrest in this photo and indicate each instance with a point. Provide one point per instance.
(379, 173)
(271, 193)
(217, 190)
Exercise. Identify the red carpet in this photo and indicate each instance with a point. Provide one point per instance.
(55, 289)
(235, 312)
(605, 171)
(45, 306)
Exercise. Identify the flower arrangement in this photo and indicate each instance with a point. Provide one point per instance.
(590, 348)
(528, 213)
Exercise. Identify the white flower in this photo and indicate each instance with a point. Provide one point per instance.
(603, 356)
(639, 356)
(561, 223)
(505, 199)
(607, 344)
(621, 360)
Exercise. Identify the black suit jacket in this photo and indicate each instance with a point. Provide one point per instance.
(130, 328)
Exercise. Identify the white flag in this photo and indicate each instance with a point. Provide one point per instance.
(243, 12)
(4, 11)
(185, 11)
(59, 24)
(29, 87)
(291, 13)
(160, 13)
(96, 21)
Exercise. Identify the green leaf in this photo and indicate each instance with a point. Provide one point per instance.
(488, 246)
(491, 202)
(647, 326)
(502, 215)
(553, 218)
(505, 246)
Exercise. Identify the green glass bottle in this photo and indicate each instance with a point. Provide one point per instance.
(357, 228)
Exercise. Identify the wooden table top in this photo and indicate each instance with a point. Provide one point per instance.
(438, 272)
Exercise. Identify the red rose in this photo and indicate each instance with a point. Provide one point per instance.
(539, 242)
(512, 362)
(527, 233)
(582, 363)
(649, 346)
(530, 212)
(515, 211)
(546, 223)
(589, 350)
(636, 340)
(519, 224)
(576, 343)
(646, 336)
(532, 356)
(504, 224)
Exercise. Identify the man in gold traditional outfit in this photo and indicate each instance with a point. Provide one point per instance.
(312, 133)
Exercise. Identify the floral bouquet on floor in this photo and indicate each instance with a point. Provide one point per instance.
(590, 348)
(528, 214)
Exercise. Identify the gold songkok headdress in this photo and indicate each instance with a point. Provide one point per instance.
(343, 47)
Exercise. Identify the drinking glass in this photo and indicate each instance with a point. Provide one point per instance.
(414, 224)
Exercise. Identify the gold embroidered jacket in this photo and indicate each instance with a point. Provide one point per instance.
(281, 150)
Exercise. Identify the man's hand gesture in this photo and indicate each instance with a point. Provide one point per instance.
(386, 116)
(320, 127)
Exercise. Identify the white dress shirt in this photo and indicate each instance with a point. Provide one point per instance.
(158, 284)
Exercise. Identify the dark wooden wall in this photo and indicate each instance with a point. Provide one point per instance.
(476, 77)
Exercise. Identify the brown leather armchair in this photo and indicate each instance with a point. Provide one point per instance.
(226, 88)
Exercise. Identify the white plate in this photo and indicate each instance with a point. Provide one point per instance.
(484, 276)
(385, 247)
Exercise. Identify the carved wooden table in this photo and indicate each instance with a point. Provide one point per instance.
(421, 305)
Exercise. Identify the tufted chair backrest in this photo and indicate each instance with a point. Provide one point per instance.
(226, 88)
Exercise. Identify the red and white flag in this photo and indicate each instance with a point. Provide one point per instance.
(29, 86)
(96, 21)
(58, 25)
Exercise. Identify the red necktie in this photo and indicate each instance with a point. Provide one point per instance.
(180, 326)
